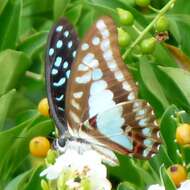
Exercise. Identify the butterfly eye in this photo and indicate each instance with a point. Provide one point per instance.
(61, 142)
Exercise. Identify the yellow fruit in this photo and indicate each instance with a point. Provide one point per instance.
(43, 107)
(183, 134)
(177, 173)
(39, 146)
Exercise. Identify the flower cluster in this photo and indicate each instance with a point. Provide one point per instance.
(72, 170)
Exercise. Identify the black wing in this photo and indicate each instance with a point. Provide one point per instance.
(60, 53)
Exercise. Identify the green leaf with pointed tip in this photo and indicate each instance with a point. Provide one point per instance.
(18, 151)
(9, 24)
(5, 103)
(33, 43)
(17, 182)
(176, 80)
(35, 180)
(13, 65)
(126, 186)
(168, 127)
(3, 3)
(74, 13)
(149, 79)
(60, 7)
(167, 182)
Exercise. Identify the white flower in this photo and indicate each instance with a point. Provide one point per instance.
(185, 185)
(87, 165)
(156, 187)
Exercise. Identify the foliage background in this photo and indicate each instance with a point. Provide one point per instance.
(24, 26)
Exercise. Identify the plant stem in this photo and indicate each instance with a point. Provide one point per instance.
(34, 76)
(149, 27)
(153, 9)
(136, 29)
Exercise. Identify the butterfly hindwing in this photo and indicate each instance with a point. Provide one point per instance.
(99, 78)
(128, 128)
(60, 53)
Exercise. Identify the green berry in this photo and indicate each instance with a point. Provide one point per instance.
(126, 17)
(148, 45)
(162, 24)
(123, 38)
(142, 3)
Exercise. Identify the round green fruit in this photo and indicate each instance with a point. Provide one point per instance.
(148, 45)
(162, 24)
(123, 38)
(126, 17)
(142, 3)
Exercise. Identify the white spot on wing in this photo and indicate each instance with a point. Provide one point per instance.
(75, 104)
(59, 28)
(119, 75)
(110, 122)
(97, 74)
(98, 86)
(54, 71)
(59, 44)
(60, 82)
(51, 51)
(108, 56)
(78, 95)
(74, 117)
(100, 102)
(101, 25)
(126, 86)
(66, 33)
(131, 96)
(82, 67)
(58, 61)
(70, 43)
(65, 64)
(105, 45)
(88, 58)
(68, 73)
(95, 40)
(84, 78)
(84, 46)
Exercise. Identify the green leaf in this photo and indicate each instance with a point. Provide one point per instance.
(120, 172)
(17, 182)
(60, 7)
(74, 13)
(86, 20)
(153, 86)
(13, 65)
(18, 152)
(9, 24)
(35, 180)
(166, 179)
(5, 103)
(168, 127)
(126, 186)
(180, 14)
(33, 43)
(176, 80)
(3, 3)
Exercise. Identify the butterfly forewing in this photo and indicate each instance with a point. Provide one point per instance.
(102, 97)
(60, 53)
(99, 78)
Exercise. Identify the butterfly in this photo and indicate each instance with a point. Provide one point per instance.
(93, 97)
